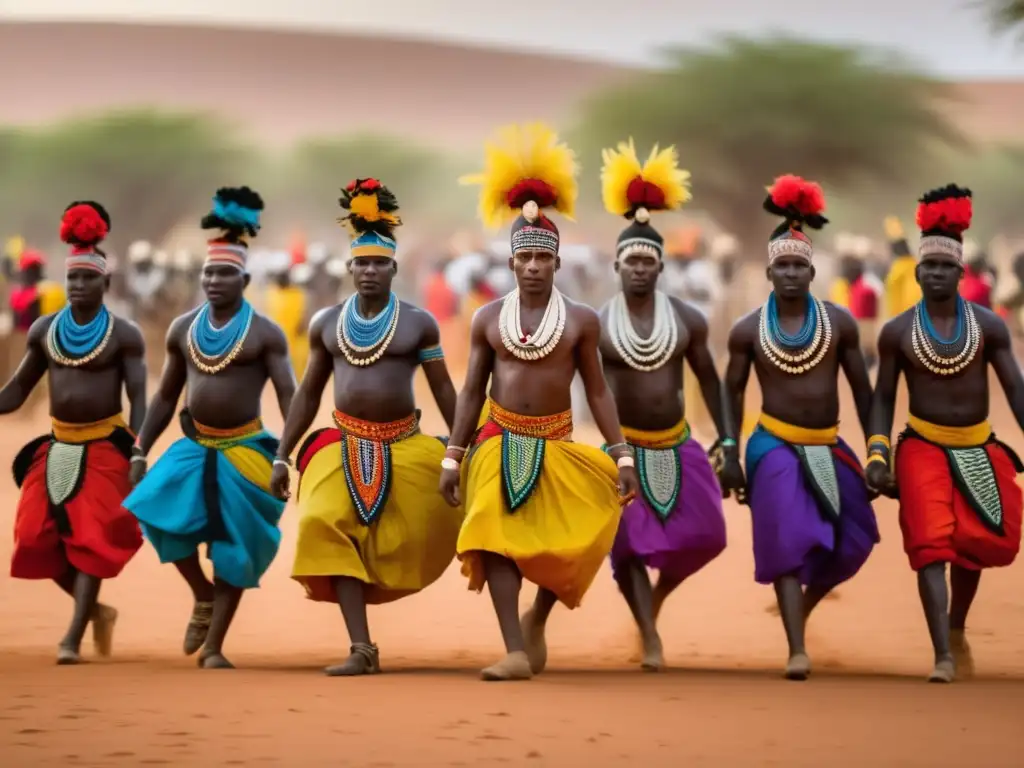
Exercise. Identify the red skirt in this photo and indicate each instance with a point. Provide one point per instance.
(78, 520)
(939, 523)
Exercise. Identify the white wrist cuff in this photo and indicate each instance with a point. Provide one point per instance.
(625, 461)
(449, 463)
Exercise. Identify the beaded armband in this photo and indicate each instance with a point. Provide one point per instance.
(430, 354)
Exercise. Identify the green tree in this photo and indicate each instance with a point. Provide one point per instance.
(422, 178)
(149, 169)
(1004, 15)
(742, 112)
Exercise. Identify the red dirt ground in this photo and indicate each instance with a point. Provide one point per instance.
(722, 704)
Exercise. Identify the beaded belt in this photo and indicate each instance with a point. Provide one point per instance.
(557, 426)
(658, 439)
(213, 437)
(377, 432)
(66, 432)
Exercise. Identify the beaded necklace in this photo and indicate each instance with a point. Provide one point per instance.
(539, 344)
(800, 353)
(945, 357)
(638, 353)
(358, 335)
(72, 345)
(213, 349)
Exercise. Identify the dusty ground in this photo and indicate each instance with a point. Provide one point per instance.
(721, 705)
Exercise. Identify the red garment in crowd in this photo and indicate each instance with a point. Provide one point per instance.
(976, 288)
(863, 300)
(441, 301)
(22, 299)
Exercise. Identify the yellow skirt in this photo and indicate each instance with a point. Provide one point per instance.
(560, 535)
(405, 549)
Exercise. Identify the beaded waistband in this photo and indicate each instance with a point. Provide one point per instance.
(557, 426)
(797, 435)
(662, 438)
(213, 433)
(951, 437)
(66, 432)
(375, 431)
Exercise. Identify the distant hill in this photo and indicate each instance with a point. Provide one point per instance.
(282, 85)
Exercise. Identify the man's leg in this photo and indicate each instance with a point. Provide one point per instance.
(225, 603)
(931, 585)
(790, 597)
(86, 591)
(635, 586)
(202, 609)
(964, 586)
(504, 582)
(363, 658)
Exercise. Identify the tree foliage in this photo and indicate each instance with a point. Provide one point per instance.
(1004, 15)
(744, 111)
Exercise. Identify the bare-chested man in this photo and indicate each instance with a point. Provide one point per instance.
(813, 525)
(959, 500)
(675, 525)
(373, 527)
(213, 485)
(70, 526)
(538, 506)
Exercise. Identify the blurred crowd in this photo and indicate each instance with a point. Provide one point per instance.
(872, 277)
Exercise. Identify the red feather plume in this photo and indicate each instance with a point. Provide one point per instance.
(540, 192)
(644, 194)
(793, 192)
(951, 215)
(82, 225)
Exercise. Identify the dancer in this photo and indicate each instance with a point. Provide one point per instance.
(538, 506)
(373, 527)
(901, 289)
(70, 526)
(213, 486)
(959, 500)
(646, 337)
(812, 519)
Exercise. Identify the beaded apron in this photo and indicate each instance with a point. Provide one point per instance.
(366, 460)
(523, 443)
(819, 468)
(658, 466)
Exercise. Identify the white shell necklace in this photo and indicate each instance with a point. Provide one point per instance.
(639, 353)
(539, 344)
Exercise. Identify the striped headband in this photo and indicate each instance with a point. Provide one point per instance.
(86, 258)
(230, 254)
(371, 244)
(939, 244)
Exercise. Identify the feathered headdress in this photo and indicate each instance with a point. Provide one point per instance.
(527, 169)
(800, 203)
(372, 218)
(236, 213)
(896, 237)
(943, 215)
(633, 190)
(83, 226)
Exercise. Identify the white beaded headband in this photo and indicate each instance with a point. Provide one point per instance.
(639, 245)
(790, 246)
(940, 244)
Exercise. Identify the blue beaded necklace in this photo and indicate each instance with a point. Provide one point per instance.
(363, 333)
(930, 329)
(76, 340)
(213, 342)
(803, 337)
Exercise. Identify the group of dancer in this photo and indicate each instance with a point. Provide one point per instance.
(384, 508)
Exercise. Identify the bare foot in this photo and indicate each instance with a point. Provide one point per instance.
(364, 659)
(962, 655)
(103, 620)
(653, 658)
(944, 672)
(515, 666)
(198, 627)
(214, 661)
(68, 656)
(536, 644)
(798, 667)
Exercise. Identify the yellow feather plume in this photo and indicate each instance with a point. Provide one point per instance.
(622, 166)
(520, 153)
(893, 228)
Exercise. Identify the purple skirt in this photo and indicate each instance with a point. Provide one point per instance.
(791, 533)
(690, 536)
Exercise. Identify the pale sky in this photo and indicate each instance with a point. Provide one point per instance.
(949, 37)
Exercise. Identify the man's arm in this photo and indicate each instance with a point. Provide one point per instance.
(133, 369)
(436, 370)
(999, 349)
(599, 397)
(851, 360)
(698, 355)
(883, 401)
(470, 400)
(737, 374)
(305, 401)
(30, 370)
(172, 382)
(279, 367)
